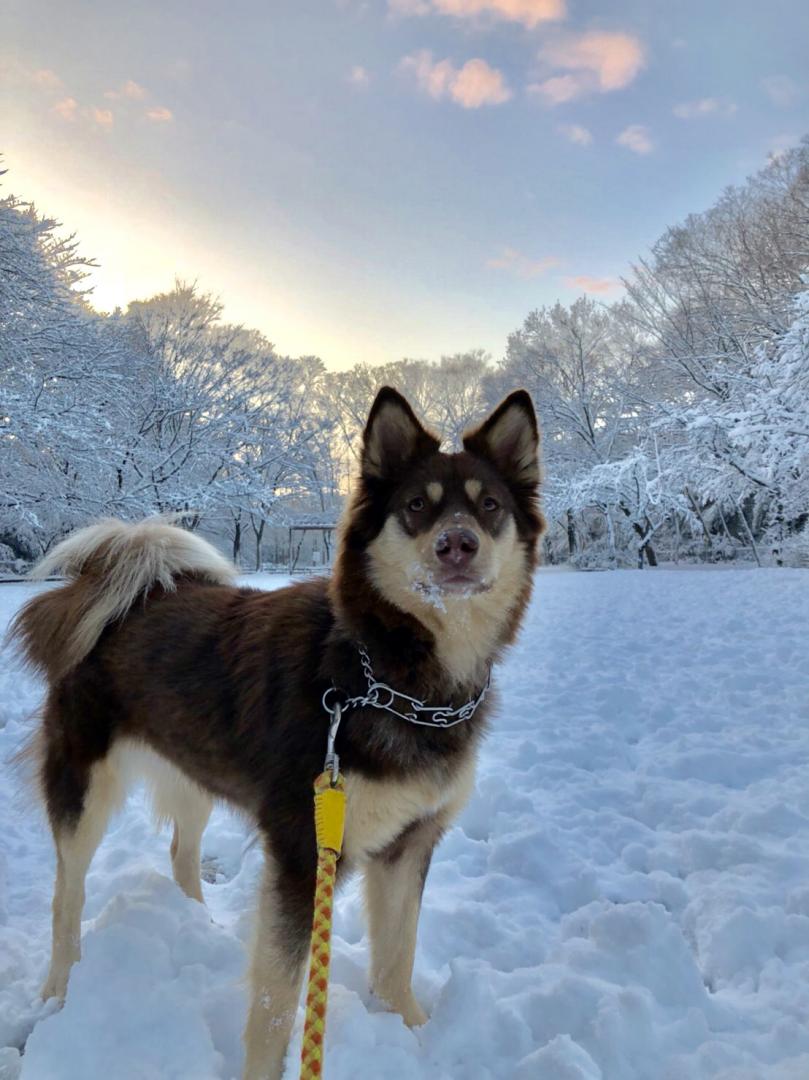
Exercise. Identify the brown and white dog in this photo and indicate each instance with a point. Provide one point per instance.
(159, 666)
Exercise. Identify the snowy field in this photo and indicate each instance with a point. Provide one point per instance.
(625, 898)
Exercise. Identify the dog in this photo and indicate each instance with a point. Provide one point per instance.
(159, 666)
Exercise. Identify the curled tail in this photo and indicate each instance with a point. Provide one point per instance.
(109, 565)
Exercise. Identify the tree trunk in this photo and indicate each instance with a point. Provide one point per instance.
(237, 540)
(611, 535)
(749, 533)
(259, 533)
(645, 546)
(571, 534)
(698, 512)
(645, 535)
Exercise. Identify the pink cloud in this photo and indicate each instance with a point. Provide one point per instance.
(636, 138)
(529, 13)
(478, 84)
(358, 76)
(130, 89)
(47, 79)
(590, 284)
(577, 134)
(521, 265)
(102, 117)
(471, 86)
(433, 77)
(558, 89)
(593, 62)
(159, 114)
(67, 108)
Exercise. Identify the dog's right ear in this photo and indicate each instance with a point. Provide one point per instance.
(393, 436)
(510, 439)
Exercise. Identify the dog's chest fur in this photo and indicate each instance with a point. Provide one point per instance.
(378, 811)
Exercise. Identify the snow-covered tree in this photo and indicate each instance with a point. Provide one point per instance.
(60, 390)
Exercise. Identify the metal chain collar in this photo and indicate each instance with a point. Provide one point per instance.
(381, 696)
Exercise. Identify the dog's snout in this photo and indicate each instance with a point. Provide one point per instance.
(456, 547)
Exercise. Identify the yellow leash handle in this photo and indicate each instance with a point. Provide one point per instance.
(330, 812)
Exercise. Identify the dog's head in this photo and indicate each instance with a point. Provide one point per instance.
(448, 534)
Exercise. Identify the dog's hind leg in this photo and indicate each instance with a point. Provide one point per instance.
(189, 826)
(178, 799)
(285, 910)
(79, 807)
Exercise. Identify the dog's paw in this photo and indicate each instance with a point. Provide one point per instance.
(407, 1007)
(414, 1015)
(54, 987)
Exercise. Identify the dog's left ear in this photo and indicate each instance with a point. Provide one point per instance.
(510, 439)
(393, 436)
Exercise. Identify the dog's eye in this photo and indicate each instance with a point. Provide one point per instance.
(416, 505)
(490, 504)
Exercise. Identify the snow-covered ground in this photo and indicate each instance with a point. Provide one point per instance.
(625, 898)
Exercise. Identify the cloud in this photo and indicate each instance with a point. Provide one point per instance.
(47, 79)
(704, 107)
(593, 62)
(478, 84)
(559, 89)
(130, 89)
(636, 138)
(780, 144)
(67, 108)
(576, 134)
(521, 265)
(159, 114)
(433, 78)
(102, 117)
(471, 86)
(358, 76)
(589, 284)
(529, 13)
(781, 90)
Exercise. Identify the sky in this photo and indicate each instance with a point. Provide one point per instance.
(371, 179)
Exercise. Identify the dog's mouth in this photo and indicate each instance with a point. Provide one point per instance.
(453, 582)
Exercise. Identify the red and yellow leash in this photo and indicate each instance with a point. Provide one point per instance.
(330, 810)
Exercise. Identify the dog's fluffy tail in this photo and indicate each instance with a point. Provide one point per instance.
(109, 565)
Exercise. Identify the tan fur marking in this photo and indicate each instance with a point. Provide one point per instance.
(435, 491)
(275, 983)
(393, 902)
(377, 811)
(74, 852)
(466, 627)
(175, 798)
(473, 489)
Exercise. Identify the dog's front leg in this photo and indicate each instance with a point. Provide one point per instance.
(394, 882)
(277, 966)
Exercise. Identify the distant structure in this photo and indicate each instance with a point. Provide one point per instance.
(298, 528)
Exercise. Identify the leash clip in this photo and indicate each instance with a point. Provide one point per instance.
(332, 762)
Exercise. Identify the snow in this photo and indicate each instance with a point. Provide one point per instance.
(626, 896)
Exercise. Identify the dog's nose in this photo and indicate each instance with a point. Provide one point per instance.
(456, 547)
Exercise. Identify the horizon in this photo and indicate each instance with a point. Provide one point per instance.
(372, 181)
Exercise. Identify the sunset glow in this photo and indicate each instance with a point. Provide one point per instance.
(372, 181)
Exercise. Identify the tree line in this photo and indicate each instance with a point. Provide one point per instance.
(674, 421)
